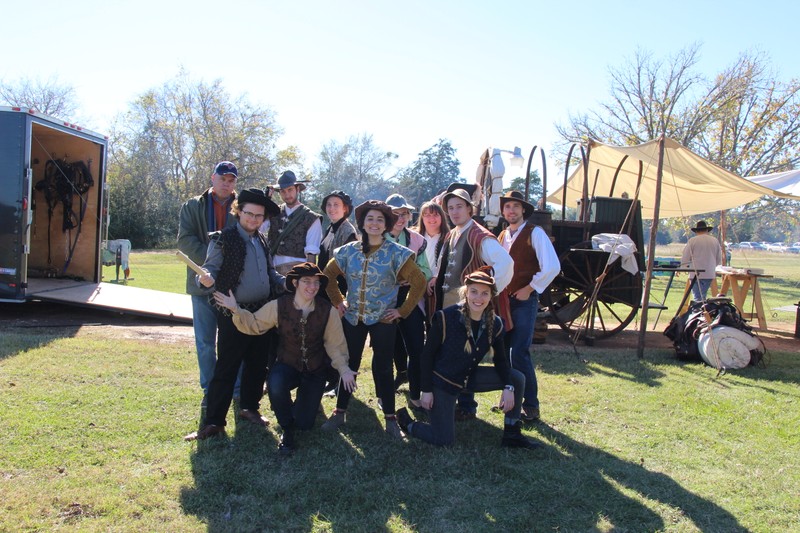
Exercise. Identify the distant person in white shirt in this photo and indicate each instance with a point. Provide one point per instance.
(703, 254)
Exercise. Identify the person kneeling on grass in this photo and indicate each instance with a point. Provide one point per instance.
(459, 338)
(308, 328)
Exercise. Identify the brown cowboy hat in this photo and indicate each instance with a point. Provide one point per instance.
(377, 205)
(304, 270)
(483, 275)
(516, 196)
(457, 193)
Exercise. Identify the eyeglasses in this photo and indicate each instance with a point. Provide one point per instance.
(310, 282)
(257, 216)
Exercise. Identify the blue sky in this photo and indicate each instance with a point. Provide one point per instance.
(479, 74)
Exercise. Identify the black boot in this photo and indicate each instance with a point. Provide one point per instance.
(403, 419)
(286, 447)
(513, 437)
(402, 377)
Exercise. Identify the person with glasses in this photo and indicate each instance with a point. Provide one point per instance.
(238, 262)
(308, 329)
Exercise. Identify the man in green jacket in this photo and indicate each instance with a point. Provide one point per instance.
(200, 216)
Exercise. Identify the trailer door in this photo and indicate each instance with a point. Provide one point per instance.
(15, 214)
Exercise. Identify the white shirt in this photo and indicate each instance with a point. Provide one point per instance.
(545, 254)
(494, 255)
(702, 252)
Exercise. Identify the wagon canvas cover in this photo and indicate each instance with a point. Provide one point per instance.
(691, 184)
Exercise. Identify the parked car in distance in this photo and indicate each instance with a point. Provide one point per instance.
(776, 247)
(747, 245)
(793, 249)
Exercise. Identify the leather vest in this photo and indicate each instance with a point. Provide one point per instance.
(291, 243)
(301, 340)
(526, 264)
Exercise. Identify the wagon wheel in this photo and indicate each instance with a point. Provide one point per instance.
(615, 306)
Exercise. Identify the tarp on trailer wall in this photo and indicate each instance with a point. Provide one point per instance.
(783, 182)
(691, 184)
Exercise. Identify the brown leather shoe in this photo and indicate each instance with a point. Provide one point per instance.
(254, 417)
(208, 431)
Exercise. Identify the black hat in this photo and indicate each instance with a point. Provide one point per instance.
(702, 226)
(344, 197)
(257, 196)
(287, 180)
(516, 196)
(226, 167)
(469, 187)
(304, 270)
(377, 205)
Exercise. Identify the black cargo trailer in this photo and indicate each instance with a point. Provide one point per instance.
(53, 218)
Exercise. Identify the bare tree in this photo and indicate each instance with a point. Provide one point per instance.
(743, 119)
(51, 96)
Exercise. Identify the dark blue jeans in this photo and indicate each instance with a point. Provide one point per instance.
(440, 431)
(301, 413)
(518, 342)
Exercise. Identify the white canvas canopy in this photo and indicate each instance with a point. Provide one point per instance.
(691, 184)
(783, 182)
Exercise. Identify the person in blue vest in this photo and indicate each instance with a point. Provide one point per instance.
(460, 337)
(374, 268)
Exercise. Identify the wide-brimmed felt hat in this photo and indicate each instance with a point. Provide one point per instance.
(377, 205)
(398, 201)
(516, 196)
(287, 180)
(483, 275)
(702, 226)
(457, 193)
(257, 196)
(344, 197)
(304, 270)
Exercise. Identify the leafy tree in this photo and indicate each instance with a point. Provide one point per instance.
(357, 166)
(164, 148)
(51, 96)
(535, 187)
(435, 169)
(743, 119)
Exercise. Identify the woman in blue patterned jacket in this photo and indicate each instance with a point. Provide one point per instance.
(373, 268)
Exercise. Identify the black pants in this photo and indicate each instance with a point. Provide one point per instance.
(236, 349)
(411, 341)
(382, 337)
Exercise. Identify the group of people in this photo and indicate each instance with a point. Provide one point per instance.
(291, 304)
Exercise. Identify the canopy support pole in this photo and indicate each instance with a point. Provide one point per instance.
(651, 250)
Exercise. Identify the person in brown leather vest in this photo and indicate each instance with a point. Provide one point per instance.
(535, 266)
(309, 332)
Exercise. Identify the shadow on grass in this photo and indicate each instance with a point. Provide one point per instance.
(360, 480)
(603, 485)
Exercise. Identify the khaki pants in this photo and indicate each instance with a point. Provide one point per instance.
(284, 268)
(451, 297)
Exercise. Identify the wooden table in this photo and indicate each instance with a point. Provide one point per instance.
(740, 286)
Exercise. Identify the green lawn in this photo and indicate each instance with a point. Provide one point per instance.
(92, 425)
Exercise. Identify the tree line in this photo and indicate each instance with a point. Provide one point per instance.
(164, 146)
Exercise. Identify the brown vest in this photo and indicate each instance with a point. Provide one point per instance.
(301, 340)
(291, 242)
(526, 264)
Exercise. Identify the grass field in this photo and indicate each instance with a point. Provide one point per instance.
(160, 270)
(92, 420)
